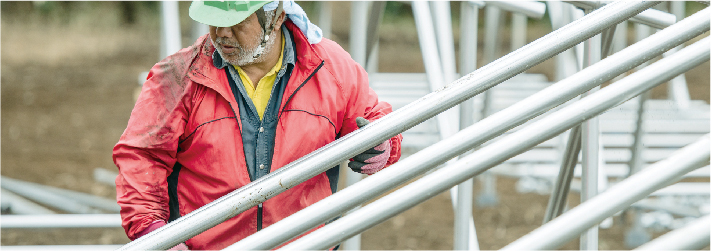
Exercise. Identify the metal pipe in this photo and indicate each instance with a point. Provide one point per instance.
(559, 195)
(388, 126)
(689, 158)
(465, 237)
(590, 145)
(618, 197)
(19, 205)
(531, 9)
(474, 135)
(105, 176)
(677, 89)
(79, 197)
(324, 17)
(60, 221)
(636, 160)
(653, 18)
(518, 30)
(447, 120)
(445, 39)
(372, 33)
(198, 30)
(358, 49)
(491, 29)
(43, 196)
(61, 247)
(693, 236)
(170, 29)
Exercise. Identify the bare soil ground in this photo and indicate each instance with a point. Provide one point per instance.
(67, 93)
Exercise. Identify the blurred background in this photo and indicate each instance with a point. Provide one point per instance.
(70, 69)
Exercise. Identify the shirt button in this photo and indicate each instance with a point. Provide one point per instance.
(261, 166)
(261, 129)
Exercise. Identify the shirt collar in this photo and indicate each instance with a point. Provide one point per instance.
(288, 53)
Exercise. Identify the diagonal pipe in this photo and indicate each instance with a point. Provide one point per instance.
(524, 139)
(476, 134)
(658, 175)
(390, 125)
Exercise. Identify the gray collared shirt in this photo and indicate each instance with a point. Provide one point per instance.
(258, 135)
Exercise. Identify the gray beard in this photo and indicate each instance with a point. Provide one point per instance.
(246, 56)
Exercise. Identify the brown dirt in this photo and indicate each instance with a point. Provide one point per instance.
(66, 102)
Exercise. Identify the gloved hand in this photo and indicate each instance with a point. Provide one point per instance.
(373, 159)
(157, 224)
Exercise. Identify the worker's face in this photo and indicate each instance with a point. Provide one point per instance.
(239, 44)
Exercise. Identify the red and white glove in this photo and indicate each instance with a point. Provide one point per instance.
(373, 159)
(157, 224)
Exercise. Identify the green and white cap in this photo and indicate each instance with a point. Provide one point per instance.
(223, 13)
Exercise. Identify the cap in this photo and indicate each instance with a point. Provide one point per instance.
(223, 13)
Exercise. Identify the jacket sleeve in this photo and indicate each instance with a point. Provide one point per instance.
(363, 102)
(147, 150)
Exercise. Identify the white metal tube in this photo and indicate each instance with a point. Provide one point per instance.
(324, 17)
(558, 231)
(693, 236)
(61, 247)
(85, 199)
(518, 30)
(19, 205)
(474, 135)
(60, 221)
(590, 145)
(618, 197)
(559, 194)
(677, 89)
(386, 127)
(358, 50)
(45, 197)
(491, 29)
(464, 231)
(199, 29)
(520, 141)
(530, 9)
(445, 39)
(446, 121)
(653, 18)
(105, 176)
(170, 29)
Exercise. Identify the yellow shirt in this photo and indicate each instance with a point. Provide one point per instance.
(260, 95)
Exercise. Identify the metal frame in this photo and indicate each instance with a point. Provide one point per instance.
(425, 108)
(638, 186)
(474, 135)
(693, 236)
(170, 29)
(60, 221)
(687, 159)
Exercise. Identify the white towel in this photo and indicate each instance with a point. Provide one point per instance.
(299, 18)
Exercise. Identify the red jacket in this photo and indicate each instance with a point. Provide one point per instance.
(186, 115)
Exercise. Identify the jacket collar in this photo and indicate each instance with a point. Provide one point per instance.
(203, 71)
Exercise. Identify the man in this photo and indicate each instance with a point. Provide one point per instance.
(261, 90)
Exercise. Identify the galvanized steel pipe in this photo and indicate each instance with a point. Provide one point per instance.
(476, 134)
(530, 9)
(693, 236)
(564, 227)
(618, 197)
(60, 221)
(390, 125)
(653, 18)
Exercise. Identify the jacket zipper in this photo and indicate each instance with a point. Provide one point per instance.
(260, 208)
(298, 88)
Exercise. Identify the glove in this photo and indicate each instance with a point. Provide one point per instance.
(373, 159)
(157, 224)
